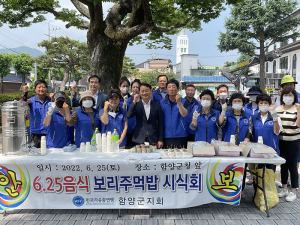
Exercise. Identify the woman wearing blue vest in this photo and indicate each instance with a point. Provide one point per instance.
(59, 134)
(124, 88)
(252, 108)
(237, 122)
(135, 88)
(205, 120)
(112, 116)
(85, 119)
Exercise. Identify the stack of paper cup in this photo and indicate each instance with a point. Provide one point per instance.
(98, 142)
(43, 146)
(260, 140)
(88, 147)
(104, 142)
(82, 147)
(232, 139)
(108, 139)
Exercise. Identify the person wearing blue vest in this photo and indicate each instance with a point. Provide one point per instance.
(124, 88)
(251, 107)
(191, 104)
(112, 116)
(59, 133)
(205, 119)
(135, 88)
(161, 92)
(267, 125)
(237, 122)
(38, 105)
(85, 119)
(176, 132)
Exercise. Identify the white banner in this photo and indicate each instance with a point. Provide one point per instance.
(37, 183)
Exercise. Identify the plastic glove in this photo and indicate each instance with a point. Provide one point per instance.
(125, 99)
(274, 115)
(224, 107)
(195, 115)
(50, 111)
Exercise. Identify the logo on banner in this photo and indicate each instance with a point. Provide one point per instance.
(78, 201)
(14, 187)
(225, 185)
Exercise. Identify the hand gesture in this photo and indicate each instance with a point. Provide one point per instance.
(25, 88)
(106, 105)
(74, 89)
(160, 144)
(195, 115)
(153, 89)
(178, 98)
(274, 115)
(28, 101)
(224, 107)
(297, 106)
(217, 96)
(125, 99)
(65, 106)
(136, 98)
(50, 111)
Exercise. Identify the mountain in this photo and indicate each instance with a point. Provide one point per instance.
(31, 51)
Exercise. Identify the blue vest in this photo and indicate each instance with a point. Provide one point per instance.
(266, 131)
(206, 131)
(59, 134)
(249, 109)
(157, 97)
(84, 127)
(37, 114)
(116, 123)
(175, 124)
(131, 121)
(191, 107)
(230, 126)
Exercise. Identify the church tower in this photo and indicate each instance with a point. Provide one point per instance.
(182, 45)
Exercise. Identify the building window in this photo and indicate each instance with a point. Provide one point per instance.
(294, 65)
(267, 65)
(181, 49)
(274, 66)
(284, 63)
(184, 49)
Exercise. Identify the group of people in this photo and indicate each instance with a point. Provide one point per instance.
(162, 117)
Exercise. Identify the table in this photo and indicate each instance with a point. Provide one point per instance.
(61, 180)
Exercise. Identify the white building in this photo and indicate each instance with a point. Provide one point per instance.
(182, 45)
(288, 63)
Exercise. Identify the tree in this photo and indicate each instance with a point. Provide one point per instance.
(125, 23)
(150, 77)
(62, 52)
(4, 68)
(253, 27)
(42, 73)
(229, 64)
(22, 64)
(129, 69)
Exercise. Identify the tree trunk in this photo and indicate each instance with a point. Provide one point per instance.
(1, 83)
(66, 78)
(262, 66)
(23, 79)
(107, 60)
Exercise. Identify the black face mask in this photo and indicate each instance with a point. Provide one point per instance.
(59, 104)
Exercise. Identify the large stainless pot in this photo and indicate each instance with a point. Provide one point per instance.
(15, 117)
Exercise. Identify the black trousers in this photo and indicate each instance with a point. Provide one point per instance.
(180, 142)
(36, 139)
(191, 137)
(129, 143)
(289, 150)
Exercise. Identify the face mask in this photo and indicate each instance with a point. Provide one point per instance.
(253, 98)
(237, 107)
(87, 103)
(223, 95)
(205, 103)
(288, 100)
(263, 108)
(59, 104)
(124, 90)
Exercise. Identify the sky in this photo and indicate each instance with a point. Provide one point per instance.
(204, 43)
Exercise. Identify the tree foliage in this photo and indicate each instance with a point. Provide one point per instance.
(129, 69)
(22, 64)
(64, 53)
(253, 27)
(150, 76)
(228, 64)
(4, 68)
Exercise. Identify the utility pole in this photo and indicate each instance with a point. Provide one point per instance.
(49, 74)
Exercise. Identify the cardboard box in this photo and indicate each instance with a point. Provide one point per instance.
(257, 152)
(228, 150)
(208, 150)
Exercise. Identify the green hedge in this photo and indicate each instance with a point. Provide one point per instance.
(16, 96)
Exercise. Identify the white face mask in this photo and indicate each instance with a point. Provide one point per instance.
(124, 90)
(288, 100)
(87, 103)
(237, 107)
(263, 108)
(205, 103)
(253, 97)
(223, 95)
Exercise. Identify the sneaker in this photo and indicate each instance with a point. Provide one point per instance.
(291, 197)
(283, 193)
(278, 183)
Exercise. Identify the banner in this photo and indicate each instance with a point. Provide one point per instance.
(37, 183)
